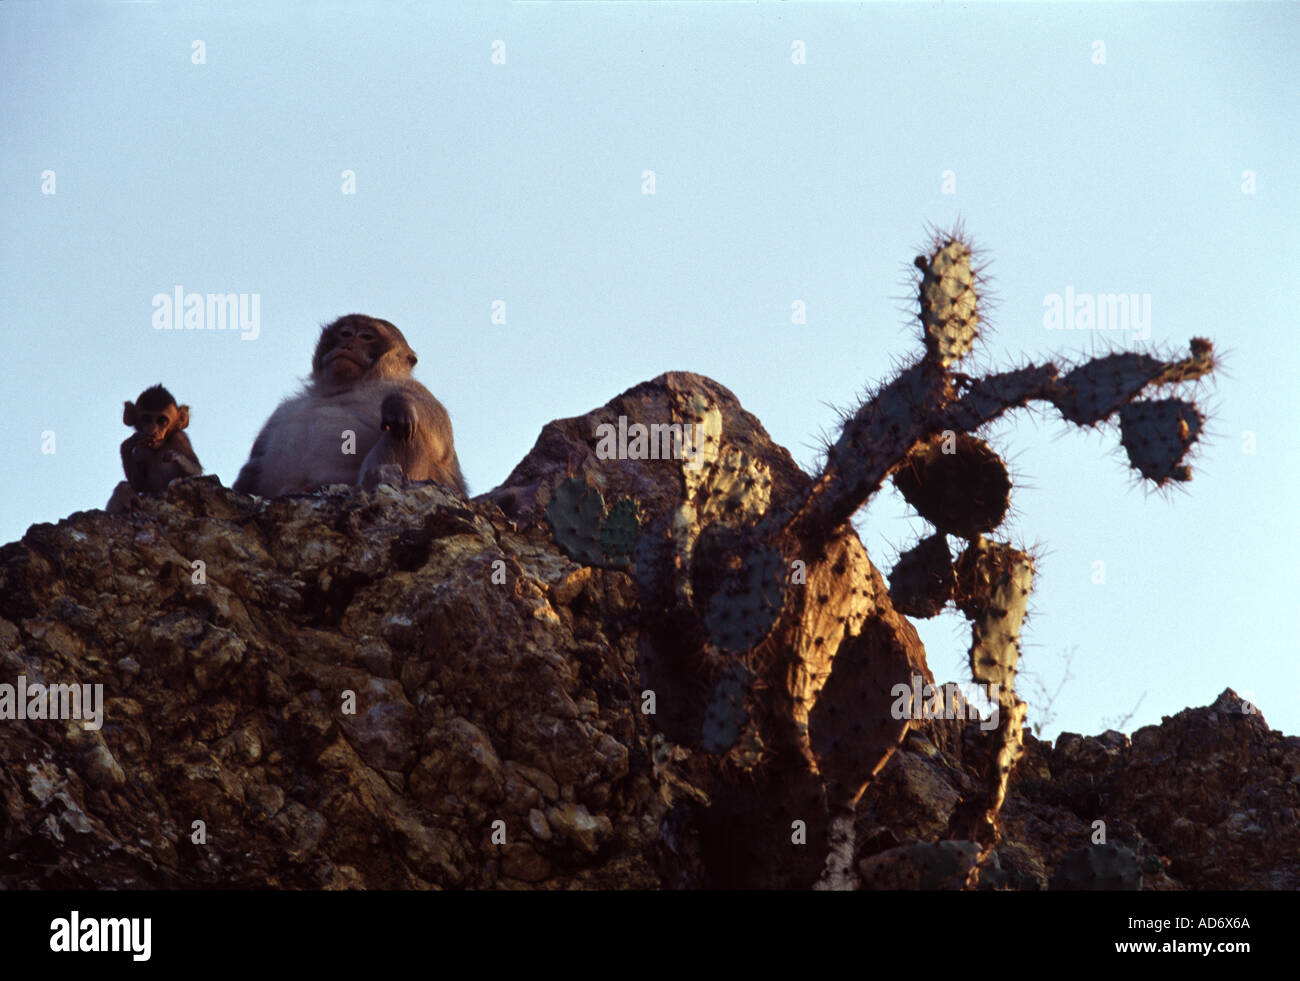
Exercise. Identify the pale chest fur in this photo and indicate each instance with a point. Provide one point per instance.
(310, 439)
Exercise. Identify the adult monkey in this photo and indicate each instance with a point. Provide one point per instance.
(360, 382)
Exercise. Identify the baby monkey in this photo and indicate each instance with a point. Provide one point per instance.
(158, 451)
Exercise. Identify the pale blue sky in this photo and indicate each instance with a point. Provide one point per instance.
(775, 182)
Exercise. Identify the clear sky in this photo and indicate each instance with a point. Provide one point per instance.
(1148, 149)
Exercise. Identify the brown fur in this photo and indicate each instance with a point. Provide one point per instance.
(360, 381)
(158, 451)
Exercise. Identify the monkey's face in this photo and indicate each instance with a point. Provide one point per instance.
(154, 426)
(352, 350)
(155, 416)
(356, 346)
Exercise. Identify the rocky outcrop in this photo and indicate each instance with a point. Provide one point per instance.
(395, 688)
(350, 690)
(1208, 799)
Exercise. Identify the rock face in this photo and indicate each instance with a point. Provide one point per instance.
(361, 686)
(392, 688)
(1208, 799)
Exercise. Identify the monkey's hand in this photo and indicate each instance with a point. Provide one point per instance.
(397, 417)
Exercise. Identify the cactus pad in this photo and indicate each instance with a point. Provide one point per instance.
(575, 514)
(620, 531)
(1096, 390)
(1157, 435)
(736, 487)
(706, 421)
(993, 583)
(948, 302)
(725, 717)
(922, 581)
(581, 526)
(957, 483)
(748, 602)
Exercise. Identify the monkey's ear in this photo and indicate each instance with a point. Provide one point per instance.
(128, 414)
(182, 417)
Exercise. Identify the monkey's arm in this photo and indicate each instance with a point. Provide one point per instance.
(187, 465)
(130, 467)
(417, 436)
(181, 456)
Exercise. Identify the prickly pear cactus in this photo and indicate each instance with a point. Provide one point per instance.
(957, 483)
(1096, 390)
(582, 527)
(995, 596)
(698, 412)
(734, 487)
(725, 717)
(993, 584)
(576, 513)
(949, 308)
(742, 612)
(779, 686)
(1156, 435)
(922, 581)
(620, 532)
